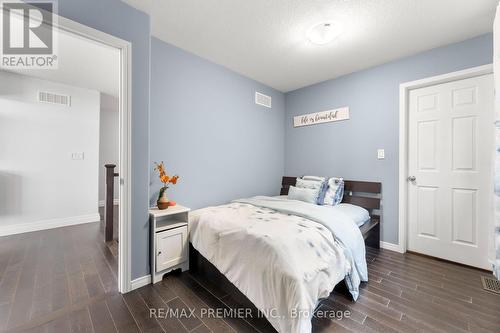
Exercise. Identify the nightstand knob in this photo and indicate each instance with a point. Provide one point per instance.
(159, 252)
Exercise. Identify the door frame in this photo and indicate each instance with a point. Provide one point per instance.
(404, 90)
(125, 150)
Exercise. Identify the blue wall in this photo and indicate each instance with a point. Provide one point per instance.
(349, 148)
(206, 127)
(116, 18)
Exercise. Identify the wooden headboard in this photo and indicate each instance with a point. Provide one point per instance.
(364, 194)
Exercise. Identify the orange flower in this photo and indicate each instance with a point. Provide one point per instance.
(164, 179)
(160, 168)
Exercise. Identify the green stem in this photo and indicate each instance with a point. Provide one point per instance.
(162, 190)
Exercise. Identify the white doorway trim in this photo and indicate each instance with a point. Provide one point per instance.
(404, 90)
(125, 119)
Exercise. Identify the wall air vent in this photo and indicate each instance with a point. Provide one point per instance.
(263, 100)
(51, 98)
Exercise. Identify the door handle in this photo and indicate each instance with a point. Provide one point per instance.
(412, 178)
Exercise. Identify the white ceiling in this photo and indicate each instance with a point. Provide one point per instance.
(265, 39)
(82, 63)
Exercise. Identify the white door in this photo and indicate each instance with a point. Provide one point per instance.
(451, 140)
(171, 248)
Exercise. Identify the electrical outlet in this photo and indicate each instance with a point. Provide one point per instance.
(380, 154)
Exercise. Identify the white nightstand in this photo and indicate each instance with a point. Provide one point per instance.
(169, 240)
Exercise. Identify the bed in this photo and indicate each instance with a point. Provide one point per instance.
(283, 256)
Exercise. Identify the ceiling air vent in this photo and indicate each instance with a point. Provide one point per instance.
(263, 100)
(51, 98)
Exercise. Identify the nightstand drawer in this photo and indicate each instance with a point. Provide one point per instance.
(171, 248)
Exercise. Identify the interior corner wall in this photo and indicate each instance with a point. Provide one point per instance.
(40, 180)
(207, 128)
(349, 148)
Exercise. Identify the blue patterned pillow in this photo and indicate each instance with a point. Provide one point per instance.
(335, 191)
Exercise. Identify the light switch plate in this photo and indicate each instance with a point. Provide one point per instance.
(77, 156)
(380, 154)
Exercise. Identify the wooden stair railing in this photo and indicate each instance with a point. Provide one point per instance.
(108, 201)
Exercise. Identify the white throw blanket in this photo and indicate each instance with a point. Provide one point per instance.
(282, 262)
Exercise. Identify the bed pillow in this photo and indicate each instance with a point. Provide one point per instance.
(335, 191)
(357, 213)
(305, 183)
(313, 182)
(303, 194)
(316, 178)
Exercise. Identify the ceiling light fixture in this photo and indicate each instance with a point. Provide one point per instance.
(324, 33)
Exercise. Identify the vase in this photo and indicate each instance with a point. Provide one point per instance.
(163, 201)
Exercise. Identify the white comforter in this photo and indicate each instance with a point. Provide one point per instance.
(283, 262)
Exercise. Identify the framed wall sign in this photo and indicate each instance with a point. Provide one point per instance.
(321, 117)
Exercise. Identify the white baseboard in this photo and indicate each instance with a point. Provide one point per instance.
(48, 224)
(391, 247)
(140, 282)
(115, 202)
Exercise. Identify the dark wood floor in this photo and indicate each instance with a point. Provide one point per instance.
(64, 280)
